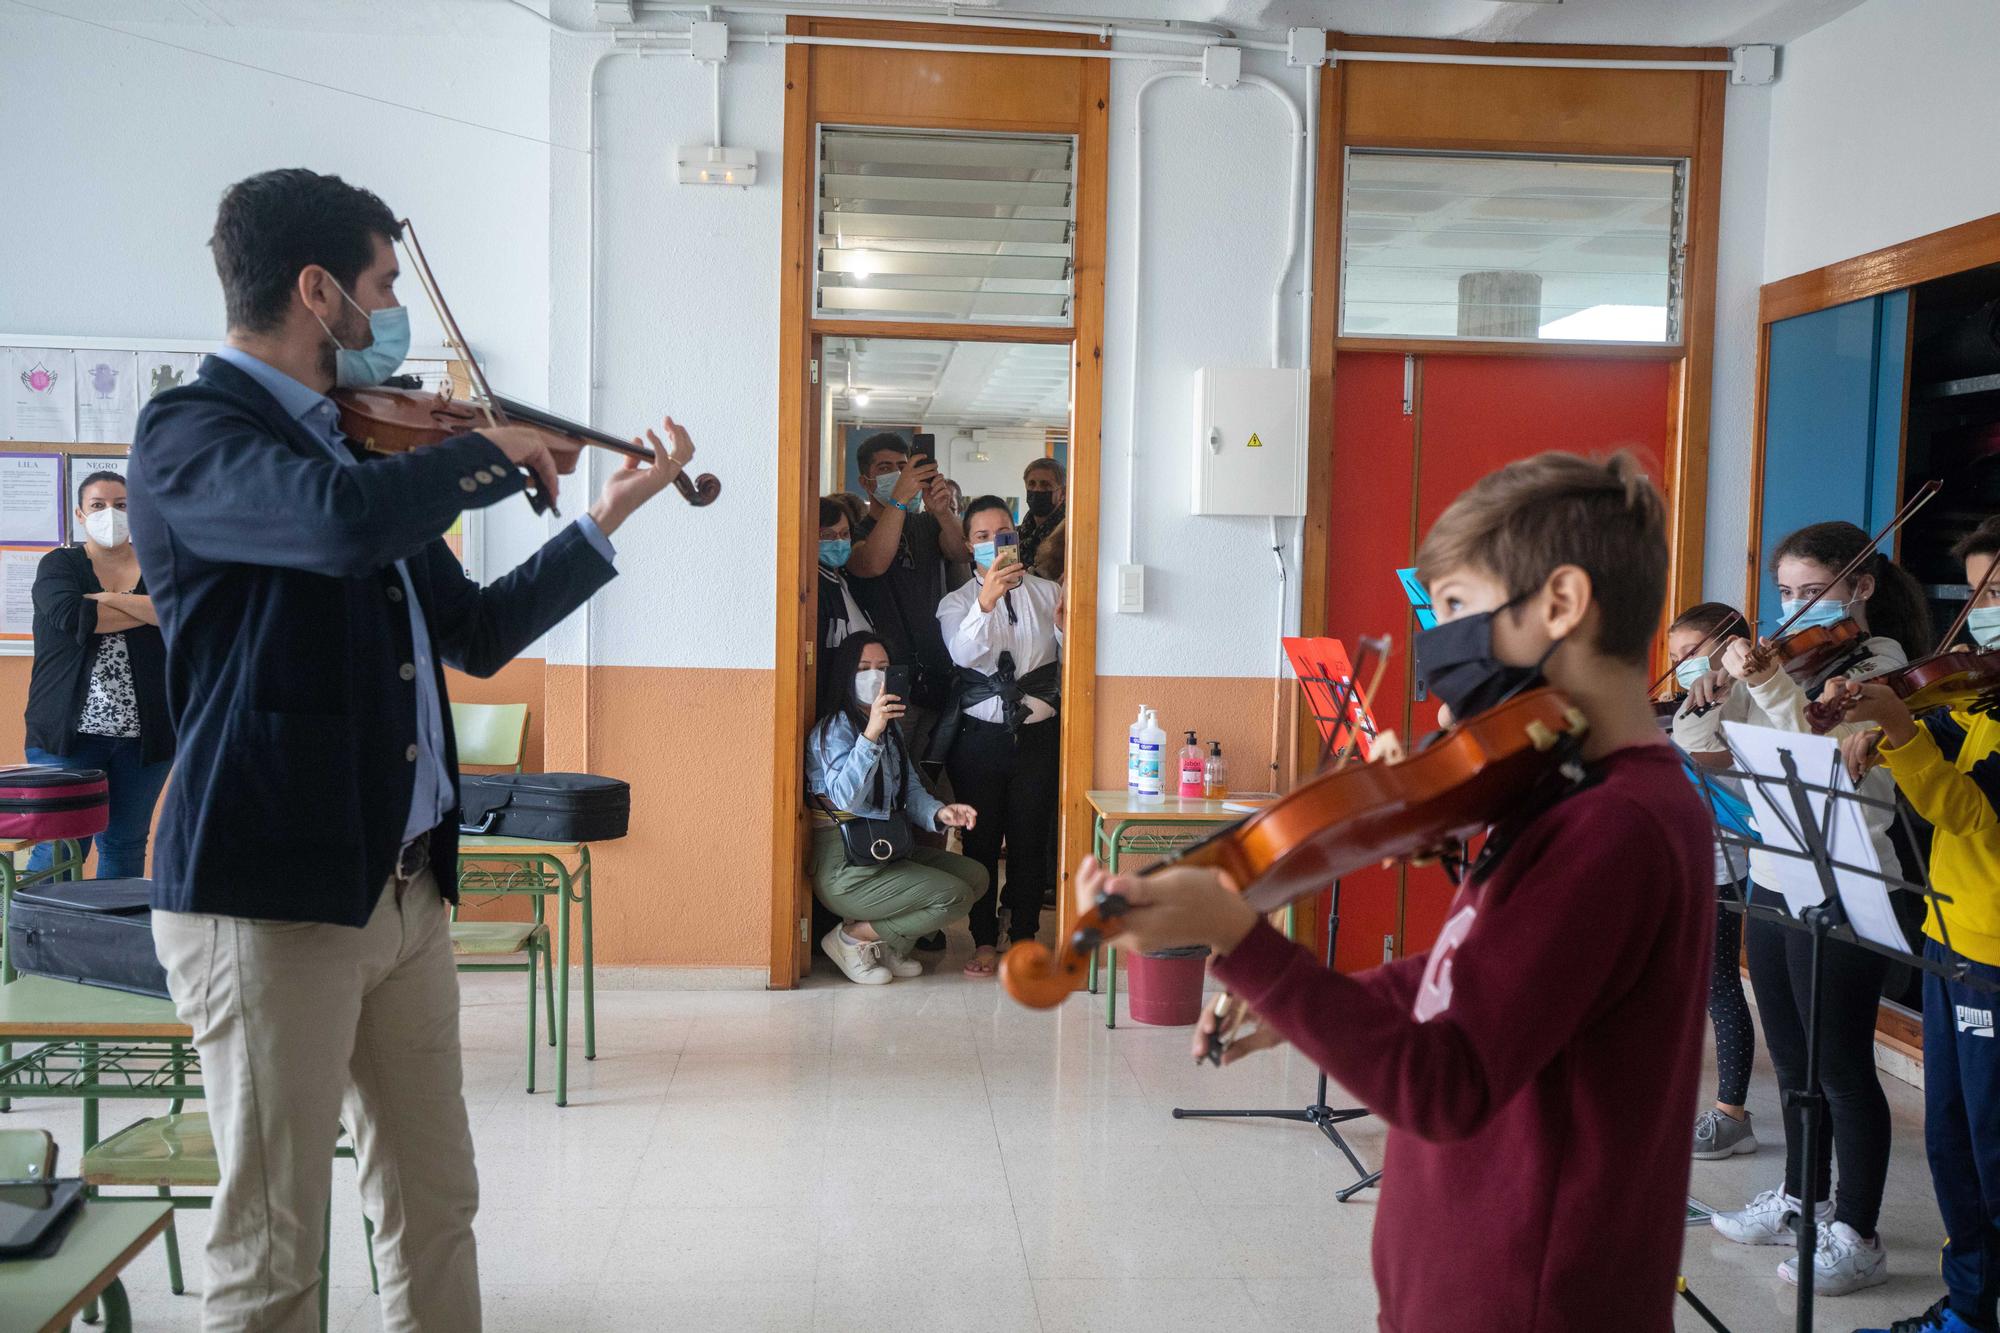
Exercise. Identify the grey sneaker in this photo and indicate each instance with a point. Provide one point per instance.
(1717, 1135)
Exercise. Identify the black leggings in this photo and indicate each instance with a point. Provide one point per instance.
(1728, 1011)
(1013, 781)
(1856, 1126)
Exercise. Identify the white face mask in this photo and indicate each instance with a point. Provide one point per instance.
(106, 527)
(868, 685)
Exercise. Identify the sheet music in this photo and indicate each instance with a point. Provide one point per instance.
(1863, 895)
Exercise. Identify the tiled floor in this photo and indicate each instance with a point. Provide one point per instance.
(929, 1155)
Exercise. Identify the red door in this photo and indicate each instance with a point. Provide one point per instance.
(1393, 474)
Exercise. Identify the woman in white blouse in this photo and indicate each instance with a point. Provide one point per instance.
(1003, 631)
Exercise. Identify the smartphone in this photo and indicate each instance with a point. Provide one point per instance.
(1006, 548)
(896, 681)
(923, 445)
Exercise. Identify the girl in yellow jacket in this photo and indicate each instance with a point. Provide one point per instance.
(1949, 768)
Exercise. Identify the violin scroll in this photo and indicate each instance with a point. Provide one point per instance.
(1040, 979)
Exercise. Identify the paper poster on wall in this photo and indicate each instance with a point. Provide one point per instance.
(107, 396)
(84, 466)
(31, 499)
(39, 396)
(160, 371)
(17, 591)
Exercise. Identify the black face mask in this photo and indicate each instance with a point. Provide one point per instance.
(1455, 663)
(1041, 503)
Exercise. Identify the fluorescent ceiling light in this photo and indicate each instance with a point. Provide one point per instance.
(861, 398)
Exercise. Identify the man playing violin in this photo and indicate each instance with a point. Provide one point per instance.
(307, 845)
(1948, 765)
(1536, 1066)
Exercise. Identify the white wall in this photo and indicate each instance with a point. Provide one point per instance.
(1215, 172)
(1008, 452)
(129, 145)
(1883, 128)
(1746, 133)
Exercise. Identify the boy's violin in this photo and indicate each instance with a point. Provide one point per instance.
(1428, 804)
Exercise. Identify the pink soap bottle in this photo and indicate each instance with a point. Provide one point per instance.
(1191, 769)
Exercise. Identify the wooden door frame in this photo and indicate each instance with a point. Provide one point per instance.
(1893, 268)
(798, 467)
(1686, 467)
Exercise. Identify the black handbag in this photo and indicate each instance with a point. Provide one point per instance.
(872, 842)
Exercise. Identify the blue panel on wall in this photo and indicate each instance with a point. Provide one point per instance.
(1833, 424)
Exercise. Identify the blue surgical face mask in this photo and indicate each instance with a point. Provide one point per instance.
(1825, 612)
(982, 554)
(389, 344)
(1984, 626)
(834, 552)
(885, 487)
(1690, 670)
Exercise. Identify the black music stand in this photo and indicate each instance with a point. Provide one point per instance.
(1791, 800)
(1330, 690)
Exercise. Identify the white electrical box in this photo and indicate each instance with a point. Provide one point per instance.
(1249, 441)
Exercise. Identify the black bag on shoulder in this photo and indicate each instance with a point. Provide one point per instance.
(95, 931)
(554, 807)
(876, 842)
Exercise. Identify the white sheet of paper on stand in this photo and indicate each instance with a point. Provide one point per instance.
(107, 396)
(1863, 895)
(39, 395)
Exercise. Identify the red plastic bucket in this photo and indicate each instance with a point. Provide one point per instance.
(1165, 988)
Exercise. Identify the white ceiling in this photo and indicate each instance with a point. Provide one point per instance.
(948, 383)
(1663, 22)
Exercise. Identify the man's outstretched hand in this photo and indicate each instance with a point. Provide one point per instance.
(637, 482)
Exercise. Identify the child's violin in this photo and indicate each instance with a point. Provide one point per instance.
(1808, 652)
(1427, 804)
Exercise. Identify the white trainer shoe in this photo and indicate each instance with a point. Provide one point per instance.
(901, 964)
(1768, 1220)
(861, 960)
(1842, 1262)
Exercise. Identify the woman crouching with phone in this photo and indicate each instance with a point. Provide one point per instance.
(866, 797)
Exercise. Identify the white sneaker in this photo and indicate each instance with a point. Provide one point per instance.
(901, 964)
(1768, 1220)
(1842, 1262)
(861, 960)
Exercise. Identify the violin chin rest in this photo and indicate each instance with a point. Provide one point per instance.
(1029, 973)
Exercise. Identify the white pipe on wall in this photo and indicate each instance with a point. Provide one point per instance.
(1296, 174)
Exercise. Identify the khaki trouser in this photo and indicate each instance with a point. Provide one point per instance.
(301, 1028)
(904, 900)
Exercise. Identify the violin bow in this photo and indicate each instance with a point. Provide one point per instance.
(1707, 644)
(1903, 515)
(1965, 612)
(482, 392)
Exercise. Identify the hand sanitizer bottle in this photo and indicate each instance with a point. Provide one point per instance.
(1191, 769)
(1214, 777)
(1152, 742)
(1132, 751)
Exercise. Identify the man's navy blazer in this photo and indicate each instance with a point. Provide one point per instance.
(290, 674)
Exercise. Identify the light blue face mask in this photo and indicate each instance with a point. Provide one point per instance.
(1984, 626)
(1691, 670)
(834, 552)
(885, 487)
(1825, 612)
(389, 344)
(982, 554)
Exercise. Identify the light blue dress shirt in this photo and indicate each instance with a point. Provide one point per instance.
(433, 794)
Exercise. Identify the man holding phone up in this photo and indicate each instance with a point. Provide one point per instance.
(897, 571)
(1003, 752)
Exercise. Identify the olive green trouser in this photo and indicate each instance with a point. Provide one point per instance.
(904, 900)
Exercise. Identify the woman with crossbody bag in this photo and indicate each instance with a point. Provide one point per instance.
(867, 797)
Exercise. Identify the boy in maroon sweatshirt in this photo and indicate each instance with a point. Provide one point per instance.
(1538, 1065)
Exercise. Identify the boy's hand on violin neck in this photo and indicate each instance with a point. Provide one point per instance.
(1169, 909)
(1870, 701)
(1754, 665)
(541, 452)
(637, 482)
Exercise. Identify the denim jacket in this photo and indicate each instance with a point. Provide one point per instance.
(841, 765)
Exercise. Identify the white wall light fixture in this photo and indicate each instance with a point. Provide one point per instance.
(702, 164)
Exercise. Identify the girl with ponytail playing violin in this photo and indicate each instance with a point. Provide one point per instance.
(1535, 1065)
(1696, 641)
(1872, 617)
